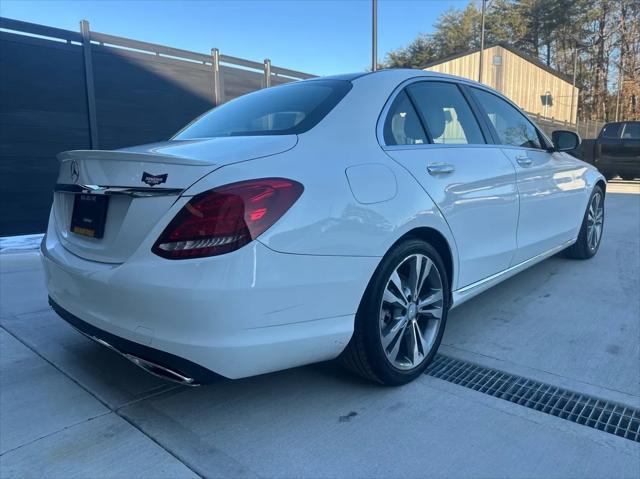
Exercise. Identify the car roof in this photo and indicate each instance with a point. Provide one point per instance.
(400, 73)
(621, 122)
(342, 76)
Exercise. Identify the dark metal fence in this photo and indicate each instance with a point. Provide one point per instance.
(62, 90)
(587, 129)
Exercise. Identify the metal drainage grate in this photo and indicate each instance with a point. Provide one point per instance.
(623, 421)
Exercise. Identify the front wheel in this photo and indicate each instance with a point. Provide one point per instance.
(402, 316)
(590, 234)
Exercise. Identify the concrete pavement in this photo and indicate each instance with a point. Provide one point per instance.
(70, 408)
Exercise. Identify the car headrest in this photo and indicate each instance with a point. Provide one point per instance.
(397, 131)
(413, 129)
(436, 120)
(283, 120)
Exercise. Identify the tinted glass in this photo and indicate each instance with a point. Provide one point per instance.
(512, 126)
(283, 110)
(631, 131)
(447, 114)
(402, 125)
(611, 131)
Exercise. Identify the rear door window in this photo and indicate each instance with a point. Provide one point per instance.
(402, 125)
(446, 113)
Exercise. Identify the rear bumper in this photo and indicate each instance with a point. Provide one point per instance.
(184, 371)
(244, 313)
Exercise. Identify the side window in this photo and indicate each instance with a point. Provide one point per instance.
(402, 125)
(512, 126)
(446, 113)
(611, 131)
(631, 131)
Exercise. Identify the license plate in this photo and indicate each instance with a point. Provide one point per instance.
(89, 215)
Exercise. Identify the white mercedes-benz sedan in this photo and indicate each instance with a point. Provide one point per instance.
(334, 217)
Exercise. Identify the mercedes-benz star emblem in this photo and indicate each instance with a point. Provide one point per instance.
(75, 172)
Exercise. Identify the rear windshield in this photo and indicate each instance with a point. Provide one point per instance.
(612, 130)
(284, 110)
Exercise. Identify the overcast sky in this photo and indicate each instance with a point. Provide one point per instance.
(316, 36)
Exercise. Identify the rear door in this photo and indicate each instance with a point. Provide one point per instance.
(551, 185)
(432, 131)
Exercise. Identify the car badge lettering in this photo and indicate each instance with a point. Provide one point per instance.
(153, 180)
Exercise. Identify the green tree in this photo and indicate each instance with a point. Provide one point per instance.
(417, 54)
(457, 30)
(604, 35)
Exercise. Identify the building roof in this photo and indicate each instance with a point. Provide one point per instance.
(531, 59)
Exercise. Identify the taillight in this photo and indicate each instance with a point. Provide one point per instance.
(224, 219)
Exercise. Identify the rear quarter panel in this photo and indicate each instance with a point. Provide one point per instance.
(333, 217)
(329, 219)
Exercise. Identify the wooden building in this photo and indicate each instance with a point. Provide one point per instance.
(520, 77)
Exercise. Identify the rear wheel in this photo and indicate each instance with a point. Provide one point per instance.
(608, 175)
(628, 176)
(401, 319)
(591, 230)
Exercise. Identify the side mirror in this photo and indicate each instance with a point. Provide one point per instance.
(565, 140)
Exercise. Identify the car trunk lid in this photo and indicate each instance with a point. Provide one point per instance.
(141, 184)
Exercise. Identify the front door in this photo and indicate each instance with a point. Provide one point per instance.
(431, 130)
(551, 186)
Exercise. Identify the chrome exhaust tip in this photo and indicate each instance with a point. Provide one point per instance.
(150, 367)
(161, 371)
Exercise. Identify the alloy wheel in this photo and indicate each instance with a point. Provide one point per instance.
(411, 311)
(595, 219)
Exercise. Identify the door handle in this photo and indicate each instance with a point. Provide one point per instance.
(524, 160)
(440, 168)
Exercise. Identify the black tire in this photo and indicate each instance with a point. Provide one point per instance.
(608, 175)
(628, 176)
(581, 248)
(364, 354)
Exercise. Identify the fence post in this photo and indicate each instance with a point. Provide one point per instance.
(88, 81)
(267, 73)
(215, 56)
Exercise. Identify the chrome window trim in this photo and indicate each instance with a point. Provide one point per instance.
(526, 148)
(457, 81)
(438, 145)
(387, 106)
